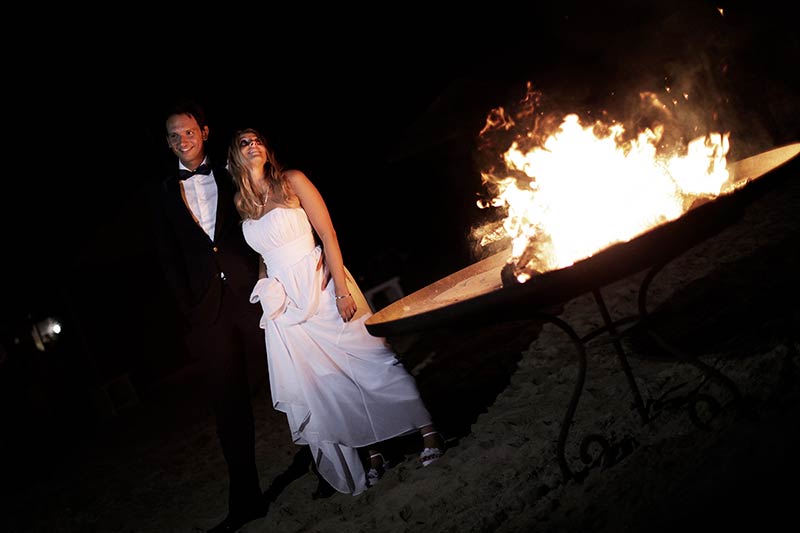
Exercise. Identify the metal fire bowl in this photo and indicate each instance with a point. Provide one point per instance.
(475, 295)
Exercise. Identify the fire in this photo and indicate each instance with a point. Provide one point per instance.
(585, 188)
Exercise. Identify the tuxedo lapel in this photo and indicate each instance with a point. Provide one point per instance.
(226, 210)
(180, 212)
(182, 215)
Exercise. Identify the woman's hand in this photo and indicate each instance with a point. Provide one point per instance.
(346, 305)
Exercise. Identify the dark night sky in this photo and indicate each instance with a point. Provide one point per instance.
(382, 116)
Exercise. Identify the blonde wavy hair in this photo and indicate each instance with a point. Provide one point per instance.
(247, 200)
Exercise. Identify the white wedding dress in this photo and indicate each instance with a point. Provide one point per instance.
(340, 387)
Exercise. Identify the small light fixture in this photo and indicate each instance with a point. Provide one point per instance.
(45, 333)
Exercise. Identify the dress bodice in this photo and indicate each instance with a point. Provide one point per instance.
(282, 236)
(276, 228)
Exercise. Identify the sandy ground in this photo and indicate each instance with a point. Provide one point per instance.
(500, 393)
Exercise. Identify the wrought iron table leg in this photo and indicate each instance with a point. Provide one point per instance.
(576, 392)
(678, 355)
(623, 359)
(610, 327)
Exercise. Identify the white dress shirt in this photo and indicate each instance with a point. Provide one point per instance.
(201, 196)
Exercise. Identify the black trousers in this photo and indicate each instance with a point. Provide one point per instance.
(227, 347)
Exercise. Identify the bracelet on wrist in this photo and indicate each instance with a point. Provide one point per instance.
(342, 297)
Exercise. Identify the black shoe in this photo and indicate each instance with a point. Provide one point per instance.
(323, 490)
(233, 523)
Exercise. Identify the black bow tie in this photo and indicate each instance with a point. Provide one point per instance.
(202, 169)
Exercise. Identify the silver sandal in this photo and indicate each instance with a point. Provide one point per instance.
(429, 456)
(374, 474)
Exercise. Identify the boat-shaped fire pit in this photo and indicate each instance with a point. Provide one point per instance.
(482, 294)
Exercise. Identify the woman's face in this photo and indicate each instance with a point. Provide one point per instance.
(252, 149)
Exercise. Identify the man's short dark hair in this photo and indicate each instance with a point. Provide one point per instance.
(188, 107)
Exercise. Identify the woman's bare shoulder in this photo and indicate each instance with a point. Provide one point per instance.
(294, 174)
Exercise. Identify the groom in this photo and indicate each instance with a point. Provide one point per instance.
(211, 271)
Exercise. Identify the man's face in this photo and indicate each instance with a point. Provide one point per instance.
(185, 139)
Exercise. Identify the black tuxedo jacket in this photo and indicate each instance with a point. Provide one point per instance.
(195, 266)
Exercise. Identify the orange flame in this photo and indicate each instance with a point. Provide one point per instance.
(586, 188)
